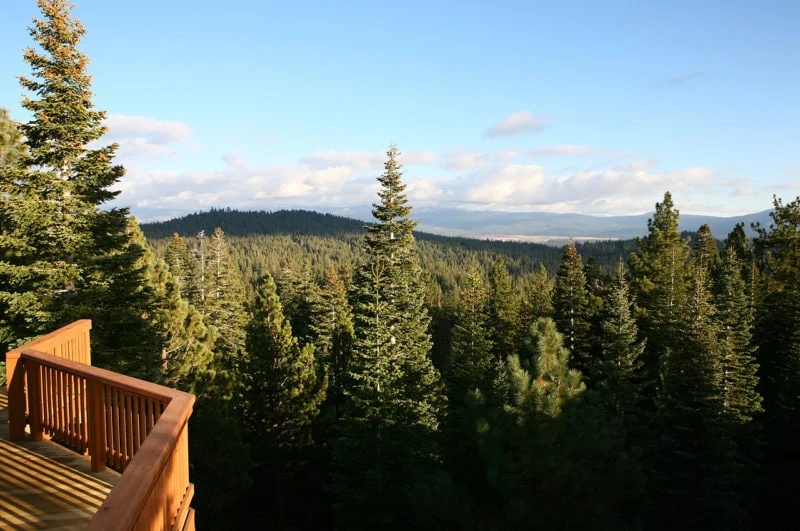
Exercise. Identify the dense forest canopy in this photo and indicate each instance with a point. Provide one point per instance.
(355, 377)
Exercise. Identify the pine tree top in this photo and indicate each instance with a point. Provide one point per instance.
(393, 210)
(64, 119)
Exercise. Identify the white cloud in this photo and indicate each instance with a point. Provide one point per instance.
(506, 155)
(745, 191)
(358, 160)
(143, 136)
(234, 158)
(508, 185)
(518, 123)
(463, 160)
(365, 160)
(564, 151)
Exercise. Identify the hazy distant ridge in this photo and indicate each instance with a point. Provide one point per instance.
(487, 223)
(501, 225)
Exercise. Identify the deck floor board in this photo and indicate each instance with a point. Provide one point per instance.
(46, 486)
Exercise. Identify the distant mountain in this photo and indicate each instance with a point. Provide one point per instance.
(493, 224)
(244, 223)
(527, 226)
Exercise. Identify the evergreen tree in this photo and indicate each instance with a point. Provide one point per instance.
(332, 328)
(571, 308)
(696, 463)
(538, 297)
(63, 255)
(387, 450)
(504, 307)
(299, 293)
(476, 394)
(552, 438)
(660, 272)
(120, 301)
(739, 367)
(200, 300)
(556, 381)
(618, 371)
(186, 356)
(473, 366)
(224, 301)
(705, 251)
(743, 247)
(282, 393)
(182, 265)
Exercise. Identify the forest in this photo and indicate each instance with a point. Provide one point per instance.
(360, 377)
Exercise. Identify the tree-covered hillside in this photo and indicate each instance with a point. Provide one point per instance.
(325, 239)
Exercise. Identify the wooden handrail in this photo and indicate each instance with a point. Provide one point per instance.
(122, 509)
(137, 427)
(127, 383)
(69, 342)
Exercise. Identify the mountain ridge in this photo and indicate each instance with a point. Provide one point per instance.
(535, 227)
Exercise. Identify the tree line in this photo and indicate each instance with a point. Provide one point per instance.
(356, 385)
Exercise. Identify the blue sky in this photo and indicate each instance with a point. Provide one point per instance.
(593, 107)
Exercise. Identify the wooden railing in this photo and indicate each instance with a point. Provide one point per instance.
(136, 427)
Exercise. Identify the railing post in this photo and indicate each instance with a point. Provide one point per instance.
(15, 380)
(34, 400)
(97, 424)
(87, 341)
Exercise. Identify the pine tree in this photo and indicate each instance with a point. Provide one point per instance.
(282, 393)
(62, 254)
(332, 329)
(618, 371)
(476, 392)
(705, 250)
(571, 308)
(739, 367)
(660, 272)
(225, 301)
(743, 247)
(120, 301)
(299, 293)
(186, 356)
(200, 299)
(504, 307)
(473, 366)
(696, 461)
(388, 445)
(538, 297)
(182, 265)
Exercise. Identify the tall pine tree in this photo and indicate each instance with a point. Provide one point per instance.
(660, 275)
(387, 453)
(695, 462)
(182, 265)
(225, 301)
(332, 328)
(64, 257)
(618, 371)
(282, 393)
(504, 308)
(571, 309)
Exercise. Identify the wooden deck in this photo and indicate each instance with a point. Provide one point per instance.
(45, 486)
